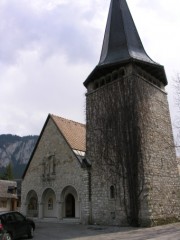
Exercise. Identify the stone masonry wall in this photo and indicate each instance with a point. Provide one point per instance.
(161, 195)
(158, 182)
(68, 172)
(100, 143)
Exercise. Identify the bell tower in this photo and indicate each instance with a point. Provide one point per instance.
(134, 175)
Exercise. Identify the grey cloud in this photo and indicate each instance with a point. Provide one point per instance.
(60, 29)
(39, 44)
(52, 52)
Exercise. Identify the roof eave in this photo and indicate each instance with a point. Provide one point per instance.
(37, 143)
(101, 70)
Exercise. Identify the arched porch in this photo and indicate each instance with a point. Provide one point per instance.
(49, 205)
(32, 204)
(70, 203)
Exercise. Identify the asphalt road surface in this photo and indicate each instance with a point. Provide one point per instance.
(58, 231)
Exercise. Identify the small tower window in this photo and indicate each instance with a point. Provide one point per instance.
(108, 79)
(121, 72)
(112, 192)
(102, 82)
(96, 85)
(53, 165)
(115, 75)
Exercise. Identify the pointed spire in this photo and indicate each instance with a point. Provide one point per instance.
(121, 39)
(122, 44)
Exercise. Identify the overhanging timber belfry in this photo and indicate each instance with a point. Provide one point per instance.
(122, 45)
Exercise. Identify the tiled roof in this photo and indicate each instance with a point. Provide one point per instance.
(74, 132)
(4, 185)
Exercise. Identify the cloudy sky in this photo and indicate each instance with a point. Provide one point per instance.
(49, 47)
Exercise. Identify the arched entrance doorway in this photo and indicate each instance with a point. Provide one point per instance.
(32, 204)
(49, 204)
(70, 206)
(70, 203)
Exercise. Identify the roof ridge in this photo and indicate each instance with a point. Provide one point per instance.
(69, 120)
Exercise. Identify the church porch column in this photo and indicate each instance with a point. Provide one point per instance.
(40, 210)
(59, 210)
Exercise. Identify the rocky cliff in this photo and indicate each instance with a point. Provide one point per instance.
(17, 151)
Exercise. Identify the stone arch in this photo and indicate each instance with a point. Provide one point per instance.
(70, 203)
(49, 204)
(32, 204)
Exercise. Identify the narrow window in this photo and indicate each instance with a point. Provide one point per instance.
(54, 165)
(113, 215)
(121, 72)
(32, 204)
(96, 85)
(108, 79)
(50, 204)
(44, 166)
(3, 204)
(115, 75)
(102, 82)
(112, 192)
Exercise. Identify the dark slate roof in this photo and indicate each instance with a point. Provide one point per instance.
(122, 44)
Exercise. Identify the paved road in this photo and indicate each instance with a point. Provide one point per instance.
(59, 231)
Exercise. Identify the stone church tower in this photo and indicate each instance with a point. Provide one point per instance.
(134, 177)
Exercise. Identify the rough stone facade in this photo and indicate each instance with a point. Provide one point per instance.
(66, 176)
(161, 180)
(155, 180)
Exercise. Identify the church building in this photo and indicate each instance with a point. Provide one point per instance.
(121, 168)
